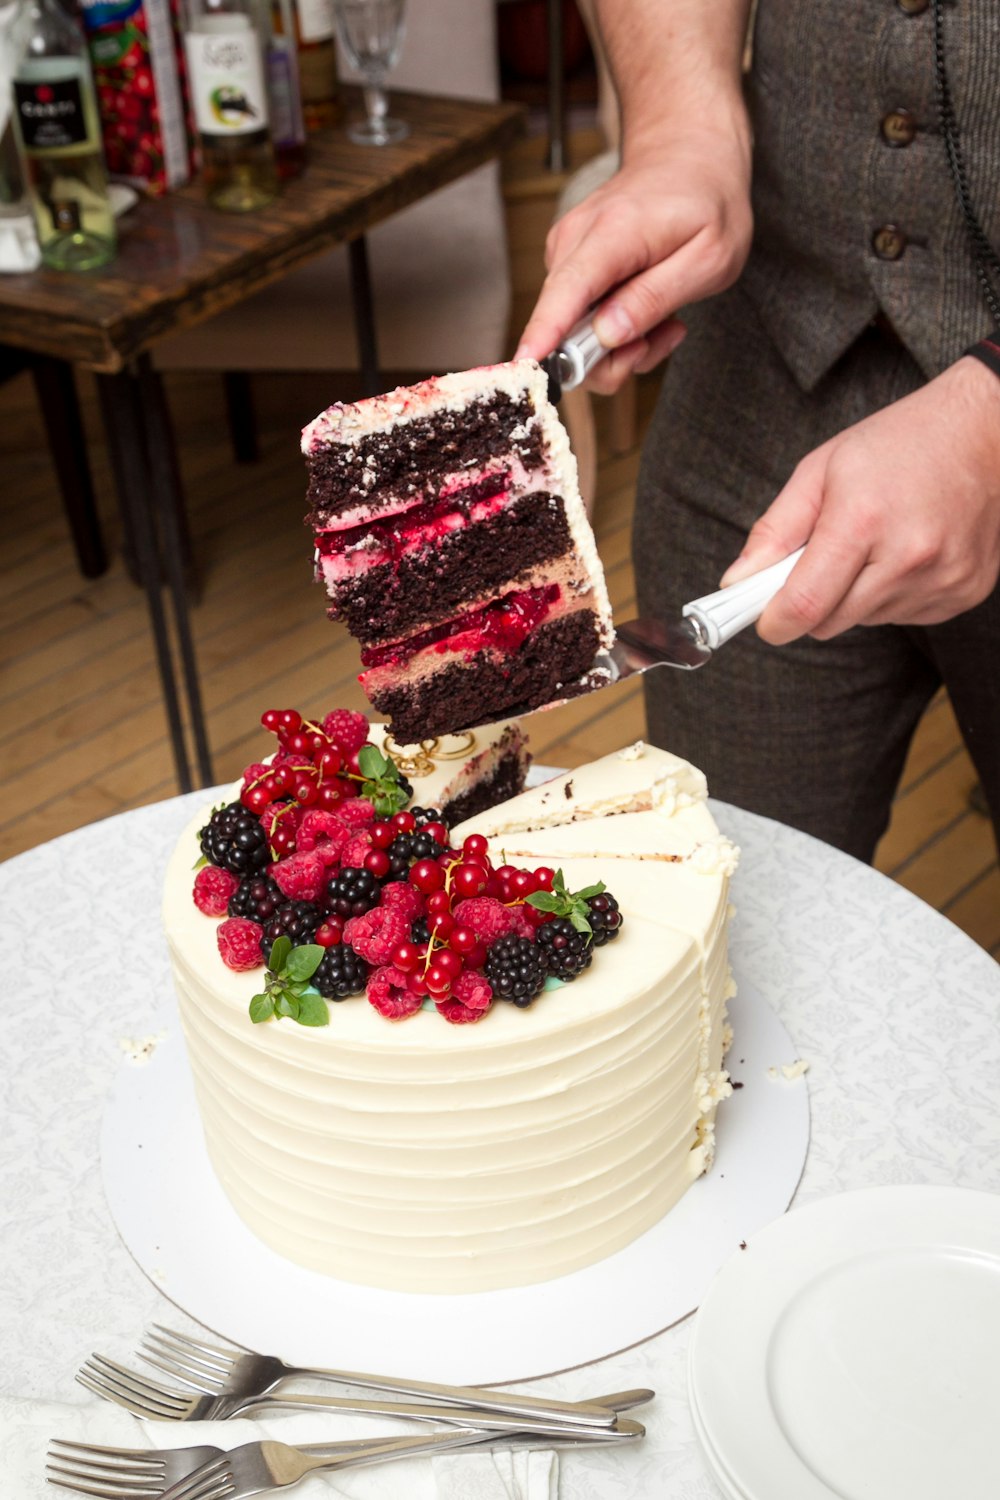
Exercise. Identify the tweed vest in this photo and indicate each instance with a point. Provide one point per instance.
(855, 209)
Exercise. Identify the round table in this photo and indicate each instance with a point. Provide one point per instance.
(896, 1011)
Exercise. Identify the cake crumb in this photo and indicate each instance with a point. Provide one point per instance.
(568, 790)
(632, 752)
(791, 1071)
(139, 1049)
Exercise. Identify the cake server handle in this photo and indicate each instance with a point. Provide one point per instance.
(728, 611)
(569, 365)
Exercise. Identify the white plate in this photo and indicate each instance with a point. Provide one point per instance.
(174, 1218)
(850, 1351)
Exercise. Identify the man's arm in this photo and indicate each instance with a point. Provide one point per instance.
(674, 224)
(901, 514)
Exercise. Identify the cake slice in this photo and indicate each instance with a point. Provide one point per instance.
(460, 774)
(454, 545)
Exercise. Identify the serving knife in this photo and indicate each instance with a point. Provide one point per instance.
(569, 365)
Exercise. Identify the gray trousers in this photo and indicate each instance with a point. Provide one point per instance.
(815, 733)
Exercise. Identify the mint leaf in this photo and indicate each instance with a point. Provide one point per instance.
(303, 961)
(372, 763)
(591, 890)
(287, 1004)
(580, 921)
(279, 953)
(313, 1011)
(545, 901)
(200, 864)
(261, 1008)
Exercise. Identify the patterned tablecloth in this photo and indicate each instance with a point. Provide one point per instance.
(895, 1010)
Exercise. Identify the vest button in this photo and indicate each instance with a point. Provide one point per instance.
(888, 242)
(913, 7)
(899, 127)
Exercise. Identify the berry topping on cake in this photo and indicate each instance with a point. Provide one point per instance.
(486, 917)
(213, 889)
(341, 972)
(357, 812)
(295, 920)
(301, 877)
(516, 969)
(257, 897)
(390, 993)
(239, 942)
(377, 934)
(404, 896)
(323, 831)
(234, 840)
(356, 850)
(347, 730)
(605, 918)
(567, 951)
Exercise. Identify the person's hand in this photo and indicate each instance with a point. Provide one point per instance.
(901, 514)
(672, 226)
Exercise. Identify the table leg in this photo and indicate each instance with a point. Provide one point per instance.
(363, 306)
(556, 158)
(61, 413)
(123, 425)
(240, 415)
(168, 499)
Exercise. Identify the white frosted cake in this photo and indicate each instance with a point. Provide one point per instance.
(426, 1157)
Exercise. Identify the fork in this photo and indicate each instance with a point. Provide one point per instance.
(150, 1474)
(233, 1374)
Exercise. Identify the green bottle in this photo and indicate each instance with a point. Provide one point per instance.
(223, 42)
(59, 138)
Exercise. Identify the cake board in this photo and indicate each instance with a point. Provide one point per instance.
(176, 1222)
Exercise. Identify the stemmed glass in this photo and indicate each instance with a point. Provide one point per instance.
(371, 34)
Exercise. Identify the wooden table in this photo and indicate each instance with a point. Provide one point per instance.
(179, 263)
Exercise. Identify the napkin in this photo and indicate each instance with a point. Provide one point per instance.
(26, 1426)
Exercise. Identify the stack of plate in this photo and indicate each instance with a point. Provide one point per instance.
(851, 1351)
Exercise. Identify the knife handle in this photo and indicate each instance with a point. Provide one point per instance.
(582, 349)
(728, 611)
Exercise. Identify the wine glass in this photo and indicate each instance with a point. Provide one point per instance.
(371, 34)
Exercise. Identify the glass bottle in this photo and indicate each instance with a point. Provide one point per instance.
(288, 129)
(59, 138)
(322, 102)
(223, 43)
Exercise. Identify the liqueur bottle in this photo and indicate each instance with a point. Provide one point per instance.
(322, 103)
(59, 139)
(288, 129)
(224, 46)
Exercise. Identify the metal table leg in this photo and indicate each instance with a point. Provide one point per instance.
(123, 425)
(363, 307)
(556, 158)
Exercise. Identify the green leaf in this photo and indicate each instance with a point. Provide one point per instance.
(313, 1011)
(544, 901)
(591, 890)
(372, 763)
(287, 1004)
(261, 1008)
(580, 922)
(200, 864)
(279, 953)
(304, 961)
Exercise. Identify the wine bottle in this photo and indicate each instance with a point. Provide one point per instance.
(288, 129)
(59, 138)
(322, 102)
(223, 43)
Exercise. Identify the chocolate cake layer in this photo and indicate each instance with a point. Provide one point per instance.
(408, 458)
(481, 688)
(506, 781)
(430, 585)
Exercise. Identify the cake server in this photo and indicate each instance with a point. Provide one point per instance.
(569, 365)
(704, 625)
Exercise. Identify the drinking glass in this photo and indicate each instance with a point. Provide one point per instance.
(371, 34)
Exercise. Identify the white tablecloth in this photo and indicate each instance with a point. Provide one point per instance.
(896, 1011)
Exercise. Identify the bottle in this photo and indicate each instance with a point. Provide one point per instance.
(288, 130)
(322, 102)
(59, 138)
(223, 44)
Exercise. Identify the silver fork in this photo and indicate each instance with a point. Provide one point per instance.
(159, 1403)
(145, 1474)
(232, 1373)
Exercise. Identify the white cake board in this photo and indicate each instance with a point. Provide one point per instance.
(179, 1226)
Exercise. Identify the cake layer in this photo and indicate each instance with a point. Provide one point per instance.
(460, 774)
(425, 1157)
(389, 588)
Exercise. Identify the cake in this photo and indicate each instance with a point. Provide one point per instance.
(454, 545)
(461, 774)
(422, 1156)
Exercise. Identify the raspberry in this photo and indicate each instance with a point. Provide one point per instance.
(357, 812)
(353, 853)
(488, 918)
(322, 831)
(457, 1013)
(212, 890)
(389, 992)
(404, 897)
(239, 943)
(347, 730)
(254, 773)
(377, 934)
(285, 815)
(300, 877)
(473, 990)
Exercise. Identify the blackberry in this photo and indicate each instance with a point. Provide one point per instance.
(351, 892)
(257, 897)
(233, 839)
(405, 786)
(297, 920)
(605, 919)
(516, 969)
(419, 931)
(406, 848)
(567, 952)
(424, 815)
(341, 973)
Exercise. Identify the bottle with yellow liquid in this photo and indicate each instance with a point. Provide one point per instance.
(224, 46)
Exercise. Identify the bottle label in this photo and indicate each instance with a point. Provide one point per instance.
(51, 114)
(315, 20)
(227, 82)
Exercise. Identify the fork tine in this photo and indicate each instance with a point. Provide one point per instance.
(213, 1481)
(142, 1397)
(189, 1369)
(224, 1357)
(108, 1489)
(146, 1457)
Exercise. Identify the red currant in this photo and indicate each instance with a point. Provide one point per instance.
(328, 934)
(441, 923)
(469, 880)
(438, 901)
(474, 844)
(406, 957)
(404, 822)
(417, 982)
(382, 835)
(306, 792)
(329, 796)
(544, 878)
(438, 982)
(523, 884)
(290, 719)
(378, 862)
(256, 799)
(449, 962)
(437, 831)
(283, 778)
(329, 761)
(476, 957)
(271, 719)
(298, 743)
(462, 939)
(427, 876)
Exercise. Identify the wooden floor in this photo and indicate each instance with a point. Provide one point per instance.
(82, 730)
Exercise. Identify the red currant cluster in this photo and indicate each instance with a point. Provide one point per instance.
(315, 766)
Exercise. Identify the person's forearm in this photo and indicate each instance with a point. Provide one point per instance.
(675, 61)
